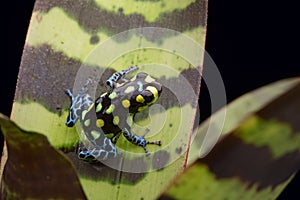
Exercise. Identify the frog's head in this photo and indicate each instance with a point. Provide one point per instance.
(147, 92)
(79, 103)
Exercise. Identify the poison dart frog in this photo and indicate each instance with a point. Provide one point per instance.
(112, 113)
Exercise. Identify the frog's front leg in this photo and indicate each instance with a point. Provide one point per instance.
(139, 140)
(112, 81)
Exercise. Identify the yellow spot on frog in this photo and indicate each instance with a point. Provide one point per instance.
(148, 79)
(154, 91)
(142, 108)
(109, 135)
(133, 79)
(102, 95)
(99, 107)
(129, 121)
(83, 114)
(100, 123)
(87, 122)
(113, 95)
(116, 120)
(86, 111)
(126, 103)
(140, 99)
(129, 89)
(95, 134)
(90, 108)
(110, 109)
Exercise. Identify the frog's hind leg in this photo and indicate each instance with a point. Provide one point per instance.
(149, 142)
(93, 155)
(86, 155)
(93, 151)
(139, 140)
(145, 133)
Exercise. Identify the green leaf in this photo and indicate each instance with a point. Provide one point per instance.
(255, 161)
(34, 169)
(224, 121)
(66, 40)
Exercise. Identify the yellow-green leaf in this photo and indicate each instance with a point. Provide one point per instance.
(224, 121)
(70, 41)
(255, 161)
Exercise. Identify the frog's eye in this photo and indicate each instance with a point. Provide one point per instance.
(110, 83)
(147, 95)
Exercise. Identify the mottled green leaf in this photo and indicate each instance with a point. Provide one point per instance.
(34, 169)
(65, 40)
(255, 161)
(224, 121)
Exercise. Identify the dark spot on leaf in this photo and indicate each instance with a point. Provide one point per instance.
(160, 159)
(94, 39)
(120, 10)
(59, 110)
(178, 150)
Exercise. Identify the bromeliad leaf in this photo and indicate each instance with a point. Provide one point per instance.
(255, 161)
(236, 112)
(34, 169)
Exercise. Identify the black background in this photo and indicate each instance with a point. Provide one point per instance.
(253, 43)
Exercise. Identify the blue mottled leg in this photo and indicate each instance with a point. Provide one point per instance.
(69, 93)
(112, 81)
(149, 142)
(98, 151)
(72, 118)
(139, 140)
(80, 102)
(93, 155)
(87, 156)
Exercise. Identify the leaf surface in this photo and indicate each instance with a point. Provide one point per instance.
(67, 40)
(255, 161)
(34, 169)
(225, 120)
